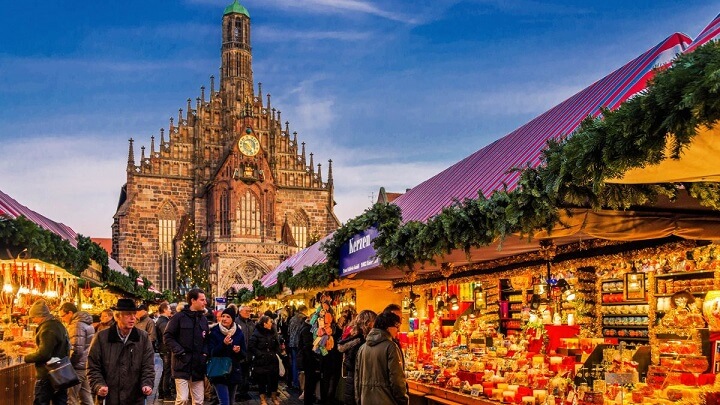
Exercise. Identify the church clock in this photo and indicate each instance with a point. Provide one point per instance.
(249, 145)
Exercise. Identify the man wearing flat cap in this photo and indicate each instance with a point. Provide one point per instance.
(121, 363)
(52, 340)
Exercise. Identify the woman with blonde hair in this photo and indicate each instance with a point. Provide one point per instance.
(359, 328)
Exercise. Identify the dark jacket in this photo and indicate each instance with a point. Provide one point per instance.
(160, 326)
(247, 326)
(52, 340)
(294, 325)
(218, 348)
(349, 348)
(308, 360)
(379, 375)
(185, 338)
(81, 334)
(264, 348)
(123, 368)
(148, 325)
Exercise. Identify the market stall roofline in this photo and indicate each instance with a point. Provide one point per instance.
(489, 168)
(309, 256)
(10, 208)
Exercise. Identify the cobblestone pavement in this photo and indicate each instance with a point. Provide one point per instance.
(287, 396)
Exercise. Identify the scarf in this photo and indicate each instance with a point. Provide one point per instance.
(225, 331)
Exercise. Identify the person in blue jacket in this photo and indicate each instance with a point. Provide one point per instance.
(226, 339)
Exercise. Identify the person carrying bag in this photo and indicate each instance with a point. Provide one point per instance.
(52, 340)
(226, 346)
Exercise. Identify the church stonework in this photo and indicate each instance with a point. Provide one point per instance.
(230, 166)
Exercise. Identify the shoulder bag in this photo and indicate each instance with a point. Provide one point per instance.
(61, 373)
(219, 367)
(281, 366)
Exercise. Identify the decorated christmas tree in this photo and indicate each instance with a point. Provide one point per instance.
(190, 273)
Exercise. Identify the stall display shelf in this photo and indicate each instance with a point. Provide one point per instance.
(626, 326)
(622, 315)
(696, 293)
(625, 303)
(612, 292)
(686, 274)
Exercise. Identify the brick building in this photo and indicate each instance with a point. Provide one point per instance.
(233, 168)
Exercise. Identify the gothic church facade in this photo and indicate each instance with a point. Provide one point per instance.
(232, 169)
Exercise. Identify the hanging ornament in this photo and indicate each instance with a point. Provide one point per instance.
(87, 291)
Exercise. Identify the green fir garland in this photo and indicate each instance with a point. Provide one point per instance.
(20, 233)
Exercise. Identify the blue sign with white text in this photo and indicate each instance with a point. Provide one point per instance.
(358, 253)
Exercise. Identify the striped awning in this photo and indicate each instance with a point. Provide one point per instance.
(13, 209)
(309, 256)
(10, 208)
(710, 33)
(488, 169)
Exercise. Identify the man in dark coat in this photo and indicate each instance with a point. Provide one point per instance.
(121, 363)
(165, 389)
(247, 326)
(185, 338)
(294, 325)
(52, 340)
(309, 362)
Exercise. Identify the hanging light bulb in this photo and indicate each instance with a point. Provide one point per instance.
(454, 305)
(541, 287)
(413, 310)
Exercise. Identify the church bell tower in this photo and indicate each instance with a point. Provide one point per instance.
(236, 76)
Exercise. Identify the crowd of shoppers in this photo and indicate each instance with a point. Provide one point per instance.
(313, 351)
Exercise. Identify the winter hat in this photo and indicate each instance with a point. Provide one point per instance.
(39, 309)
(230, 311)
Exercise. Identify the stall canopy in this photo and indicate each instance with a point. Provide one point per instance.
(697, 163)
(309, 256)
(10, 208)
(488, 169)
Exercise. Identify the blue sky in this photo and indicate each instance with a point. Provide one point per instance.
(393, 91)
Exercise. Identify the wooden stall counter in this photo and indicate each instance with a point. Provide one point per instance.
(421, 393)
(17, 384)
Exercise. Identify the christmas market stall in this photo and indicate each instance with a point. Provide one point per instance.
(604, 305)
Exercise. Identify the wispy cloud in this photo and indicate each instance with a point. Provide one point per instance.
(269, 34)
(66, 179)
(325, 7)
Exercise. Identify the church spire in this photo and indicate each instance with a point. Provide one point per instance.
(131, 157)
